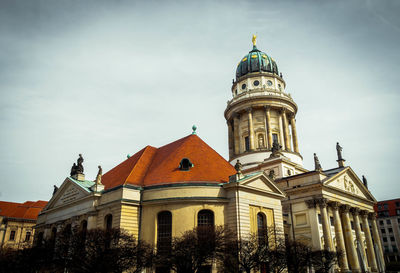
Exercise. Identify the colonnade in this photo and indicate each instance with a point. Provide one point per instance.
(286, 119)
(351, 247)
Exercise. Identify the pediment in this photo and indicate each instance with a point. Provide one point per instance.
(261, 182)
(68, 193)
(349, 182)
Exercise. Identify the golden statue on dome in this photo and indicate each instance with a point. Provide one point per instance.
(254, 39)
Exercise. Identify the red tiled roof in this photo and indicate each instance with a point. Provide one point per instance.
(27, 210)
(153, 166)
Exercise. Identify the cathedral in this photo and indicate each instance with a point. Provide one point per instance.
(159, 193)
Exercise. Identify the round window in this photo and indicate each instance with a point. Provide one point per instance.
(256, 83)
(244, 86)
(269, 83)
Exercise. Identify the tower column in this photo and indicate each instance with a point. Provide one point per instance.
(325, 224)
(368, 239)
(251, 129)
(377, 241)
(236, 137)
(360, 243)
(294, 134)
(339, 237)
(230, 138)
(348, 236)
(286, 131)
(268, 124)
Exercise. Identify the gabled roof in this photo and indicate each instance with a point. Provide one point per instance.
(28, 210)
(154, 166)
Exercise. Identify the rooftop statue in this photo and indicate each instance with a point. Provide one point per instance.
(317, 163)
(339, 151)
(77, 168)
(276, 148)
(238, 167)
(365, 182)
(99, 174)
(254, 39)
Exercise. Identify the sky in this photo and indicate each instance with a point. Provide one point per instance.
(106, 78)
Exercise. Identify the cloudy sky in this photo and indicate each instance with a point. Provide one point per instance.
(106, 78)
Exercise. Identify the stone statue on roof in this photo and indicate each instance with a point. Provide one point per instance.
(74, 170)
(339, 151)
(364, 180)
(276, 148)
(317, 163)
(99, 174)
(238, 167)
(79, 164)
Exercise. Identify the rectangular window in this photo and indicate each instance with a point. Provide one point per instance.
(397, 211)
(12, 235)
(390, 230)
(398, 220)
(379, 207)
(394, 247)
(247, 143)
(383, 231)
(384, 239)
(397, 204)
(385, 206)
(388, 222)
(27, 236)
(275, 138)
(381, 222)
(386, 248)
(392, 238)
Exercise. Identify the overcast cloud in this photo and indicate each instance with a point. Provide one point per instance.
(106, 78)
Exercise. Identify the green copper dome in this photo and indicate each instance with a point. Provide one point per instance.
(256, 61)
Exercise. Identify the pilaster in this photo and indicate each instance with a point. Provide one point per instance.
(268, 126)
(250, 128)
(322, 202)
(286, 131)
(294, 134)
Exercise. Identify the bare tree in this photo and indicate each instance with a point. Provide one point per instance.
(195, 250)
(298, 256)
(324, 260)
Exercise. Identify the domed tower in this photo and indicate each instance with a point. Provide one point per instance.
(259, 114)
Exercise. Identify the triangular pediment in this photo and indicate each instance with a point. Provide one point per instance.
(347, 181)
(262, 183)
(68, 192)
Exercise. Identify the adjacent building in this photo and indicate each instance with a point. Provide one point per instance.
(389, 228)
(161, 192)
(17, 223)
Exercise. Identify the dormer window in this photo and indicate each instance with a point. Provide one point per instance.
(185, 164)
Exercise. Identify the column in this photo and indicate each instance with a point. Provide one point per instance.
(294, 134)
(268, 125)
(377, 239)
(236, 139)
(286, 131)
(230, 138)
(313, 216)
(349, 240)
(368, 239)
(250, 128)
(92, 221)
(339, 237)
(325, 224)
(360, 243)
(281, 133)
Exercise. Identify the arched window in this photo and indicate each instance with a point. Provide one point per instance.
(108, 221)
(261, 228)
(185, 164)
(205, 217)
(164, 231)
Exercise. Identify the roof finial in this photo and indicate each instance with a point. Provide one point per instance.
(254, 39)
(194, 128)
